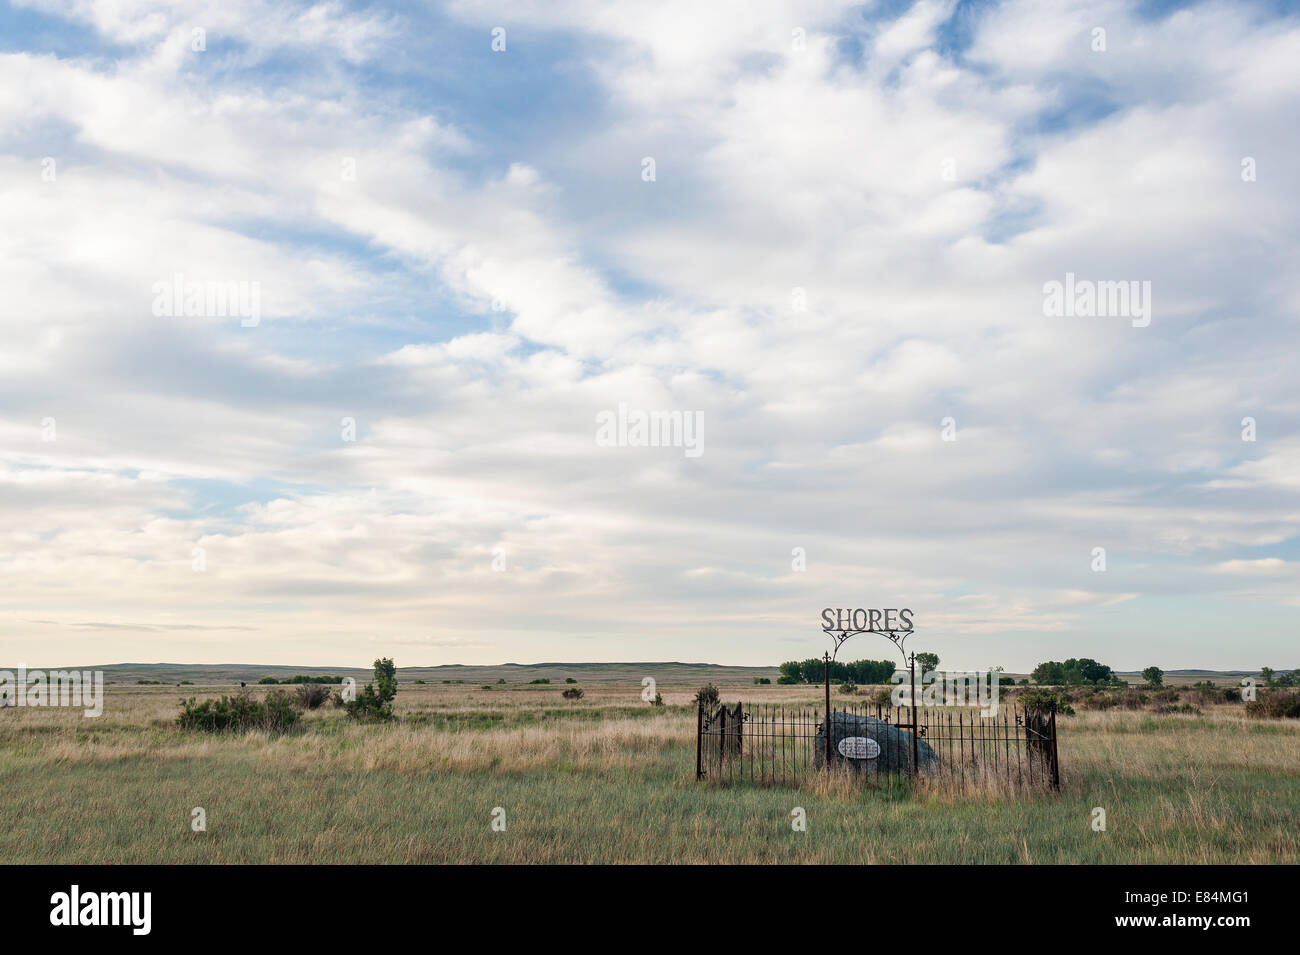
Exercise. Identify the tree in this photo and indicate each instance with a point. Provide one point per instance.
(927, 662)
(375, 702)
(1266, 675)
(1154, 676)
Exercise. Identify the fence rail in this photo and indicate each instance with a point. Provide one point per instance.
(777, 744)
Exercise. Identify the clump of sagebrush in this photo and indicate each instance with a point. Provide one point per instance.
(847, 688)
(375, 702)
(311, 696)
(708, 695)
(1275, 705)
(239, 713)
(572, 693)
(1033, 698)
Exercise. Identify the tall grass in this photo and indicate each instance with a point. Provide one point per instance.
(611, 779)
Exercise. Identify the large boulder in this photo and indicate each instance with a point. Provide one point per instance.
(869, 745)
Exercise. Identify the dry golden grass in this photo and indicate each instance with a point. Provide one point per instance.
(608, 778)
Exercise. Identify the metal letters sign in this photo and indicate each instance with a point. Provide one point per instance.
(895, 625)
(859, 747)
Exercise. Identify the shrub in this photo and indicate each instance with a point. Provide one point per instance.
(300, 678)
(501, 681)
(658, 700)
(1275, 705)
(541, 681)
(786, 680)
(572, 693)
(375, 702)
(846, 688)
(239, 713)
(148, 682)
(1036, 697)
(268, 681)
(761, 681)
(569, 679)
(708, 695)
(1178, 708)
(311, 696)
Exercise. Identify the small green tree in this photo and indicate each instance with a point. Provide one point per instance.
(1154, 676)
(927, 662)
(375, 702)
(708, 695)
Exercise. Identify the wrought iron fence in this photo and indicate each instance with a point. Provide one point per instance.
(779, 744)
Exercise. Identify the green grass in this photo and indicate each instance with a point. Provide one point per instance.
(609, 780)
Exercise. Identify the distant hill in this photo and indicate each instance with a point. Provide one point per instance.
(218, 674)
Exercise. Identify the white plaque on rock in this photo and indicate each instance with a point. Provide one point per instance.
(859, 747)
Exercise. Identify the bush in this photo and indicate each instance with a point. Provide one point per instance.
(1275, 705)
(375, 702)
(543, 680)
(708, 695)
(300, 678)
(569, 679)
(786, 680)
(268, 681)
(239, 713)
(1178, 708)
(501, 681)
(658, 700)
(311, 696)
(846, 688)
(761, 681)
(1035, 698)
(572, 693)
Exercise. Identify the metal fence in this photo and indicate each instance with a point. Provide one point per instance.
(778, 744)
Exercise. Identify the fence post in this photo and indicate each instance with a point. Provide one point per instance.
(827, 725)
(916, 749)
(722, 737)
(699, 739)
(740, 732)
(1056, 768)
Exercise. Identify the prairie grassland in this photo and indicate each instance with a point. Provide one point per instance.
(608, 779)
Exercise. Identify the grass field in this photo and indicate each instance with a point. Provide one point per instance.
(607, 779)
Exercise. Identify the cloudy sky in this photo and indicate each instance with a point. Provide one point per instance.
(823, 228)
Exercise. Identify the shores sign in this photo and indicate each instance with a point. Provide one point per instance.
(867, 620)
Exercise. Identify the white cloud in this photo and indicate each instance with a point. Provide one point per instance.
(473, 300)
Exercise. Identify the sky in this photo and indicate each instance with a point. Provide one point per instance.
(825, 233)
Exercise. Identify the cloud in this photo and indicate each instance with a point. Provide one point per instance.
(844, 245)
